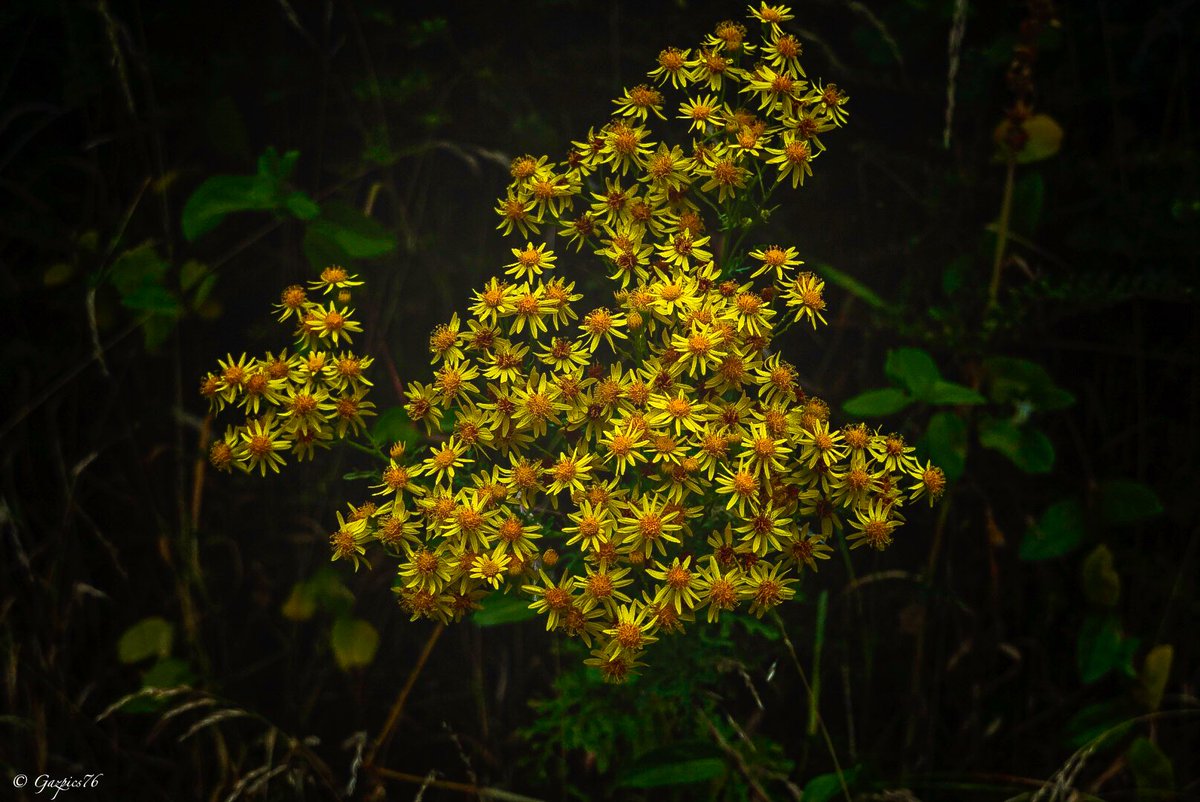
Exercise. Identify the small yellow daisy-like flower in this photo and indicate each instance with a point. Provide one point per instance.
(776, 260)
(552, 599)
(807, 294)
(493, 302)
(804, 549)
(931, 482)
(767, 589)
(530, 262)
(711, 67)
(570, 472)
(334, 277)
(830, 101)
(625, 146)
(602, 324)
(677, 413)
(742, 486)
(349, 411)
(672, 67)
(685, 250)
(794, 158)
(331, 323)
(347, 542)
(679, 581)
(639, 101)
(873, 526)
(490, 568)
(445, 342)
(703, 111)
(519, 213)
(631, 631)
(773, 88)
(783, 53)
(422, 406)
(444, 459)
(292, 301)
(530, 308)
(724, 174)
(261, 442)
(721, 589)
(601, 587)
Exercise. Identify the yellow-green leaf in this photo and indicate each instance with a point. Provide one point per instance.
(1101, 583)
(354, 643)
(150, 637)
(1152, 679)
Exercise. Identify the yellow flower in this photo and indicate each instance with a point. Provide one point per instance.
(873, 526)
(702, 111)
(673, 67)
(775, 259)
(794, 158)
(444, 459)
(631, 631)
(767, 589)
(530, 262)
(518, 212)
(639, 101)
(422, 406)
(537, 405)
(261, 442)
(331, 323)
(645, 526)
(721, 589)
(493, 302)
(783, 52)
(444, 342)
(570, 472)
(807, 294)
(334, 277)
(742, 486)
(678, 413)
(679, 584)
(530, 307)
(602, 324)
(491, 567)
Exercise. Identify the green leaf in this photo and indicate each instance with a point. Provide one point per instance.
(1152, 770)
(1102, 648)
(274, 169)
(139, 276)
(946, 441)
(951, 394)
(354, 643)
(1057, 532)
(825, 787)
(1027, 447)
(301, 603)
(914, 368)
(501, 608)
(301, 206)
(170, 672)
(877, 403)
(1124, 502)
(1019, 380)
(1152, 679)
(851, 285)
(677, 764)
(221, 195)
(343, 234)
(1110, 719)
(394, 426)
(1101, 583)
(150, 637)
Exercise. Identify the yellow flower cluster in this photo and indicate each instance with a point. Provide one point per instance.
(300, 401)
(628, 465)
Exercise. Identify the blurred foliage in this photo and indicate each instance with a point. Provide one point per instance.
(181, 632)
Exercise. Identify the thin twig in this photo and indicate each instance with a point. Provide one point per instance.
(385, 734)
(450, 785)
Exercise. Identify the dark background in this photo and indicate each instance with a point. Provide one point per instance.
(951, 676)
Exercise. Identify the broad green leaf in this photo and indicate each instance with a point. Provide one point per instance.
(1101, 582)
(354, 643)
(677, 764)
(301, 206)
(1152, 679)
(1101, 648)
(301, 603)
(914, 368)
(222, 195)
(1057, 532)
(1027, 447)
(168, 672)
(825, 787)
(331, 593)
(1013, 380)
(851, 285)
(1152, 770)
(1123, 502)
(150, 637)
(394, 426)
(877, 403)
(57, 274)
(139, 276)
(946, 440)
(343, 234)
(951, 394)
(502, 608)
(1110, 719)
(275, 169)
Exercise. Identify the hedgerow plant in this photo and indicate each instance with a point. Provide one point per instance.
(626, 465)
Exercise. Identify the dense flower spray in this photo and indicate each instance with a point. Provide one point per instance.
(634, 464)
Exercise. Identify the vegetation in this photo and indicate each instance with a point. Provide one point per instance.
(1000, 247)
